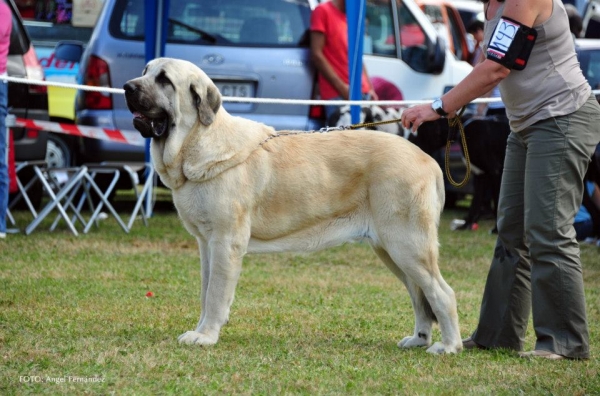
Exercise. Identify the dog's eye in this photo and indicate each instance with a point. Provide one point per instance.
(163, 79)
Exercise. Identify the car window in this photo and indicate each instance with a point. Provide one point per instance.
(268, 23)
(49, 22)
(379, 27)
(434, 13)
(590, 65)
(436, 17)
(51, 32)
(412, 40)
(457, 34)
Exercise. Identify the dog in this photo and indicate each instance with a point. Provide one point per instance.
(486, 139)
(242, 187)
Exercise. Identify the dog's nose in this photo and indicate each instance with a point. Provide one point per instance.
(129, 87)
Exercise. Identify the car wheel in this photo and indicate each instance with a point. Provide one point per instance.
(58, 154)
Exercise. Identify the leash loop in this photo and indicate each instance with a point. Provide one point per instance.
(453, 123)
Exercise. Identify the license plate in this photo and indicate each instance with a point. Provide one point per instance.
(236, 89)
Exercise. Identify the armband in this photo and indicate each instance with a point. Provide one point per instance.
(511, 44)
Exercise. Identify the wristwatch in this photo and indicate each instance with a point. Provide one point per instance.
(438, 107)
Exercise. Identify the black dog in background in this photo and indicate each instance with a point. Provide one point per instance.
(486, 142)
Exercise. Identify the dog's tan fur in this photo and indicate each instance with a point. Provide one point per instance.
(241, 187)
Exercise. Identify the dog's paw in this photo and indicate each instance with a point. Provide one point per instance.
(196, 338)
(413, 342)
(438, 348)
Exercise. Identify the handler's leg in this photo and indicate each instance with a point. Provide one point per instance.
(507, 296)
(559, 154)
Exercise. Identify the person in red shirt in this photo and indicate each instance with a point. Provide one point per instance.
(329, 53)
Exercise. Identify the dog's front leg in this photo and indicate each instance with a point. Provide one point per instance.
(205, 269)
(218, 283)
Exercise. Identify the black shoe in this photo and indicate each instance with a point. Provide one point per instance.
(468, 343)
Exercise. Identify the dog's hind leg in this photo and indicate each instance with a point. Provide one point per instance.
(424, 316)
(420, 266)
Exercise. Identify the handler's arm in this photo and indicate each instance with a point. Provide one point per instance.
(482, 79)
(485, 75)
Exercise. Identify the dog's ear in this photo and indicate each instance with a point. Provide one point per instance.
(207, 102)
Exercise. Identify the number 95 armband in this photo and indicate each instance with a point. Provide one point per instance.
(511, 44)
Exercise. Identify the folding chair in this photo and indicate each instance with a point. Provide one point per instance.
(127, 174)
(84, 186)
(92, 188)
(81, 182)
(10, 217)
(23, 190)
(61, 195)
(130, 170)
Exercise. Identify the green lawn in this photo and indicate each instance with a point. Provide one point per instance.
(75, 319)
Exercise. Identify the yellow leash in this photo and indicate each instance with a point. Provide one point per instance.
(372, 124)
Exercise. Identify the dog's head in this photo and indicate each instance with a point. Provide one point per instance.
(167, 94)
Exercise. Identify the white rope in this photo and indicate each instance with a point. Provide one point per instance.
(251, 100)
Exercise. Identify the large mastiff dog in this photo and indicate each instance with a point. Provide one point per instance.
(240, 186)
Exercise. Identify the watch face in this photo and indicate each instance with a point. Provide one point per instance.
(437, 107)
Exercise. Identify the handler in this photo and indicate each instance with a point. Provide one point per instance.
(555, 126)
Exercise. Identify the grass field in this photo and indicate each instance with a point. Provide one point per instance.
(75, 319)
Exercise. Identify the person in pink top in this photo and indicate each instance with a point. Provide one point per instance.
(5, 29)
(329, 53)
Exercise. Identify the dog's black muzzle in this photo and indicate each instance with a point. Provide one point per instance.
(150, 124)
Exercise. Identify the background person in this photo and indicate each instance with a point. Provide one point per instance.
(585, 226)
(5, 30)
(329, 53)
(587, 219)
(555, 127)
(475, 28)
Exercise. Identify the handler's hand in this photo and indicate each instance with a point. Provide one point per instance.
(414, 116)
